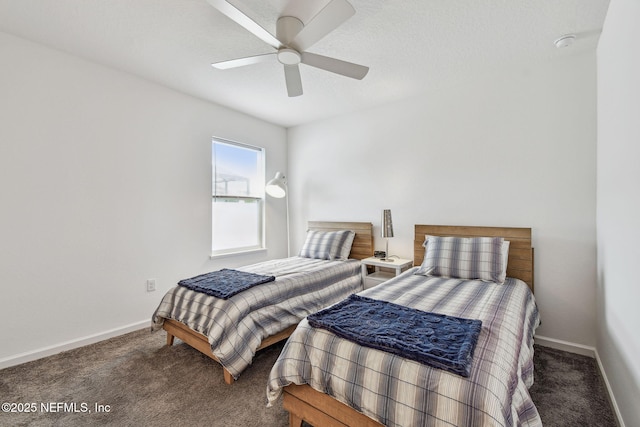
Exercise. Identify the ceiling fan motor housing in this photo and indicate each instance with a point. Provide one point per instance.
(287, 27)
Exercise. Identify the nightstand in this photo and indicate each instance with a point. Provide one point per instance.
(397, 265)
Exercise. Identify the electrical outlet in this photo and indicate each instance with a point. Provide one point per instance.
(151, 285)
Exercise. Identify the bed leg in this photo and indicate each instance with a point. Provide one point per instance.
(169, 339)
(228, 378)
(294, 420)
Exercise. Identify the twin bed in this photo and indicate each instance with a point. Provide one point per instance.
(330, 381)
(327, 380)
(230, 331)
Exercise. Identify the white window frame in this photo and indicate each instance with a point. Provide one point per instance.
(259, 198)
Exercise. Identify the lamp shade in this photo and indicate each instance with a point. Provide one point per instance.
(277, 187)
(387, 223)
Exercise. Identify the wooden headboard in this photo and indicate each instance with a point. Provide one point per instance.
(362, 243)
(520, 264)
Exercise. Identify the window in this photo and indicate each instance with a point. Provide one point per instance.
(238, 197)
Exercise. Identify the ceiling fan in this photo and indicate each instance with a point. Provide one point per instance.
(291, 41)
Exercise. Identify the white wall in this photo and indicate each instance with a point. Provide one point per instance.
(512, 149)
(618, 207)
(105, 182)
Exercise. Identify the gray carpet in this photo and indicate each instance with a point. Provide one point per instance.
(146, 383)
(569, 390)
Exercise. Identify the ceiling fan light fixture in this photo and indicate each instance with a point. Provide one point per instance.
(288, 56)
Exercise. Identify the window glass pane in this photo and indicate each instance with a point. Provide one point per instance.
(237, 197)
(236, 224)
(237, 170)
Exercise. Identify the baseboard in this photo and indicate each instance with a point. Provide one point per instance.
(571, 347)
(70, 345)
(612, 397)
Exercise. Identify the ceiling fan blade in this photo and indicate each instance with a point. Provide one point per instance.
(327, 20)
(294, 82)
(241, 62)
(244, 21)
(337, 66)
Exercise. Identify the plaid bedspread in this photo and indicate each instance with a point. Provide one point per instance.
(400, 392)
(235, 327)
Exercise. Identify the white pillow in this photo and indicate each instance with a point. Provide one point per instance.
(505, 260)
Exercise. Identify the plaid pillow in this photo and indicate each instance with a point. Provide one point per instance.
(333, 245)
(464, 258)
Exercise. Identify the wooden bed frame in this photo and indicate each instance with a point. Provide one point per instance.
(319, 409)
(361, 248)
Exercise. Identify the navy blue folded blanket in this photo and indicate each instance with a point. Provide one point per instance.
(437, 340)
(225, 283)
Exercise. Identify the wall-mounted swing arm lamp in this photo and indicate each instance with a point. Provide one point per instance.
(277, 187)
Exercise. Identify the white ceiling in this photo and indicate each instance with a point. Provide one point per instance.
(411, 46)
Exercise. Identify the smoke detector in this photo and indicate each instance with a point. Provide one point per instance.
(565, 41)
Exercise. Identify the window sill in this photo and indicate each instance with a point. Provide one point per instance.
(232, 254)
